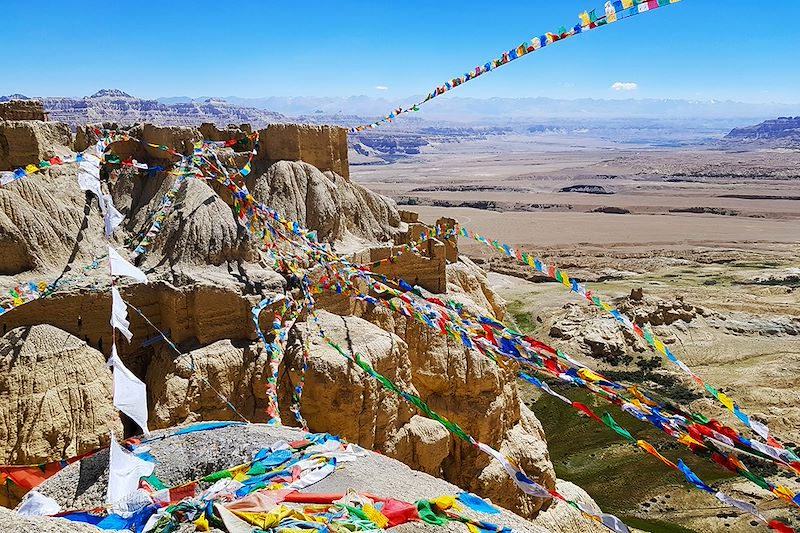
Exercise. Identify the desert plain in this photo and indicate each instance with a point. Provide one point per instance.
(702, 242)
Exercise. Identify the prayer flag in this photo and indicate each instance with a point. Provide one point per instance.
(130, 394)
(121, 267)
(124, 471)
(119, 314)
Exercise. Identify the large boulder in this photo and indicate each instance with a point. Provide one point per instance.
(55, 396)
(326, 202)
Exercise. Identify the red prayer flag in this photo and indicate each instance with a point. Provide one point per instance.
(586, 411)
(777, 525)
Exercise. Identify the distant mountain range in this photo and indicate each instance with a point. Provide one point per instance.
(782, 131)
(116, 105)
(662, 123)
(113, 105)
(459, 109)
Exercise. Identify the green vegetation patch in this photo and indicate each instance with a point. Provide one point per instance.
(607, 467)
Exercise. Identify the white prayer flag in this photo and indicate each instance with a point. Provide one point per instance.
(130, 393)
(760, 428)
(124, 472)
(119, 314)
(89, 178)
(113, 218)
(37, 504)
(121, 267)
(527, 485)
(744, 506)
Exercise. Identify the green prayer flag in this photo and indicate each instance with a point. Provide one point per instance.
(222, 474)
(622, 432)
(428, 515)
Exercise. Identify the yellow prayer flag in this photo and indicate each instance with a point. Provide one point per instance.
(627, 3)
(686, 440)
(588, 375)
(652, 451)
(375, 516)
(30, 169)
(444, 502)
(585, 18)
(658, 345)
(783, 493)
(727, 402)
(201, 524)
(641, 398)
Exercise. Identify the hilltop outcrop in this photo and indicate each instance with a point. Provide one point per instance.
(55, 396)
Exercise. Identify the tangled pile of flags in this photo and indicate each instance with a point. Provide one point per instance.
(264, 494)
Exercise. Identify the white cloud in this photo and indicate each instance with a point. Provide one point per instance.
(382, 87)
(625, 86)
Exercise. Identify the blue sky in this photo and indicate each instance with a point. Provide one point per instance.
(696, 49)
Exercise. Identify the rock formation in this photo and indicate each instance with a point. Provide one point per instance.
(23, 142)
(206, 274)
(55, 396)
(22, 109)
(779, 132)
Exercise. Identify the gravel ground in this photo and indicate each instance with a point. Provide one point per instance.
(183, 458)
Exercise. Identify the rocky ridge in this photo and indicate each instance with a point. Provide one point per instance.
(195, 455)
(779, 132)
(117, 106)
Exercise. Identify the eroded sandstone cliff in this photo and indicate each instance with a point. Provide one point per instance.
(207, 272)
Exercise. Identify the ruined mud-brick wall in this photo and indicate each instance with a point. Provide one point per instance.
(325, 147)
(22, 110)
(426, 269)
(416, 228)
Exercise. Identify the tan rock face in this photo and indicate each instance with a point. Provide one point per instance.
(30, 141)
(468, 279)
(324, 147)
(40, 223)
(55, 396)
(206, 275)
(182, 388)
(329, 203)
(22, 110)
(482, 398)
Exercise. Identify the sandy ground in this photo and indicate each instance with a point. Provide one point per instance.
(534, 230)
